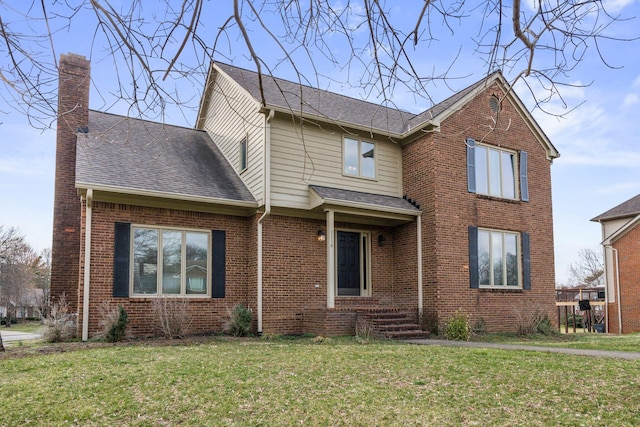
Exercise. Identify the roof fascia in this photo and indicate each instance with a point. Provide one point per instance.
(206, 97)
(621, 231)
(165, 195)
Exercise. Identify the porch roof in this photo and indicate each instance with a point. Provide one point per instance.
(338, 197)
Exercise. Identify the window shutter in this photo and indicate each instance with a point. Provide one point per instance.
(218, 264)
(526, 262)
(121, 254)
(524, 179)
(471, 165)
(474, 280)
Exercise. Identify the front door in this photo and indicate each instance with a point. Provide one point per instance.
(349, 278)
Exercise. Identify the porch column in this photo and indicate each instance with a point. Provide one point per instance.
(419, 240)
(331, 281)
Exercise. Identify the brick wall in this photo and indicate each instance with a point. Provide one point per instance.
(73, 112)
(628, 247)
(208, 314)
(435, 175)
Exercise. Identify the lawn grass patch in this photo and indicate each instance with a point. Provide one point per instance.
(293, 382)
(586, 341)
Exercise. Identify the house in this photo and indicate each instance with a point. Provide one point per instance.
(312, 208)
(621, 244)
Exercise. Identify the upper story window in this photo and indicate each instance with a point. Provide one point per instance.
(359, 158)
(243, 154)
(170, 262)
(494, 171)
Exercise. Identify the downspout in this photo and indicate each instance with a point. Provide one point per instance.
(266, 194)
(420, 296)
(87, 264)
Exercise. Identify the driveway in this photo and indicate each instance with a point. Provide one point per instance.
(9, 336)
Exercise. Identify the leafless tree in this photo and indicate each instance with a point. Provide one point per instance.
(16, 257)
(587, 268)
(160, 51)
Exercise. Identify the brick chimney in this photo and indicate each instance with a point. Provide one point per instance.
(73, 113)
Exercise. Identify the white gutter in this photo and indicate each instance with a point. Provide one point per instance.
(87, 264)
(419, 239)
(164, 195)
(267, 207)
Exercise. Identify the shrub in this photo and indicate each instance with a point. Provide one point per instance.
(457, 327)
(172, 319)
(13, 321)
(113, 323)
(239, 323)
(532, 318)
(60, 324)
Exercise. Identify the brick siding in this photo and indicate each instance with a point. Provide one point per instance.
(435, 175)
(73, 104)
(628, 247)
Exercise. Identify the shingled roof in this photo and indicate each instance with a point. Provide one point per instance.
(626, 209)
(339, 108)
(131, 154)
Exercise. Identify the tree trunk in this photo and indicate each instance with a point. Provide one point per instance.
(1, 345)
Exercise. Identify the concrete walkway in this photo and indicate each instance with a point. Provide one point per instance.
(628, 355)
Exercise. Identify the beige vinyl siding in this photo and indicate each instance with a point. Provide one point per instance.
(231, 115)
(292, 171)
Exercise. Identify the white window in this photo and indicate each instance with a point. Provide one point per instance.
(170, 262)
(359, 158)
(498, 259)
(495, 172)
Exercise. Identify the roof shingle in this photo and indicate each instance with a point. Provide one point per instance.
(625, 209)
(137, 154)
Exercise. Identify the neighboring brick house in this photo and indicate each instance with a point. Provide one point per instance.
(308, 206)
(621, 244)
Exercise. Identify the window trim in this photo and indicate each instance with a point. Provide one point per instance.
(360, 141)
(519, 256)
(183, 285)
(520, 174)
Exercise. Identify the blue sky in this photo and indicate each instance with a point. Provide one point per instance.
(598, 167)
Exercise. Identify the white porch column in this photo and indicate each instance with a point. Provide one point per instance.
(419, 251)
(331, 269)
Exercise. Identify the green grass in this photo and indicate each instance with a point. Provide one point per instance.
(294, 382)
(580, 340)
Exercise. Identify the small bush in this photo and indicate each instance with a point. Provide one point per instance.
(479, 326)
(60, 324)
(239, 323)
(3, 321)
(532, 318)
(113, 323)
(172, 319)
(457, 327)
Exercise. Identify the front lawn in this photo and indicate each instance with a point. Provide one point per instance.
(301, 382)
(580, 340)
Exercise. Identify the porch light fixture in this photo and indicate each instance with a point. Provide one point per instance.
(381, 240)
(321, 236)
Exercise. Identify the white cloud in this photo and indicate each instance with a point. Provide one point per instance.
(616, 5)
(631, 99)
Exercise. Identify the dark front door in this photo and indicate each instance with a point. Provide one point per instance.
(348, 263)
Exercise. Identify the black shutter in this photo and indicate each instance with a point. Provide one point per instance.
(526, 262)
(471, 165)
(121, 248)
(218, 263)
(524, 179)
(474, 280)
